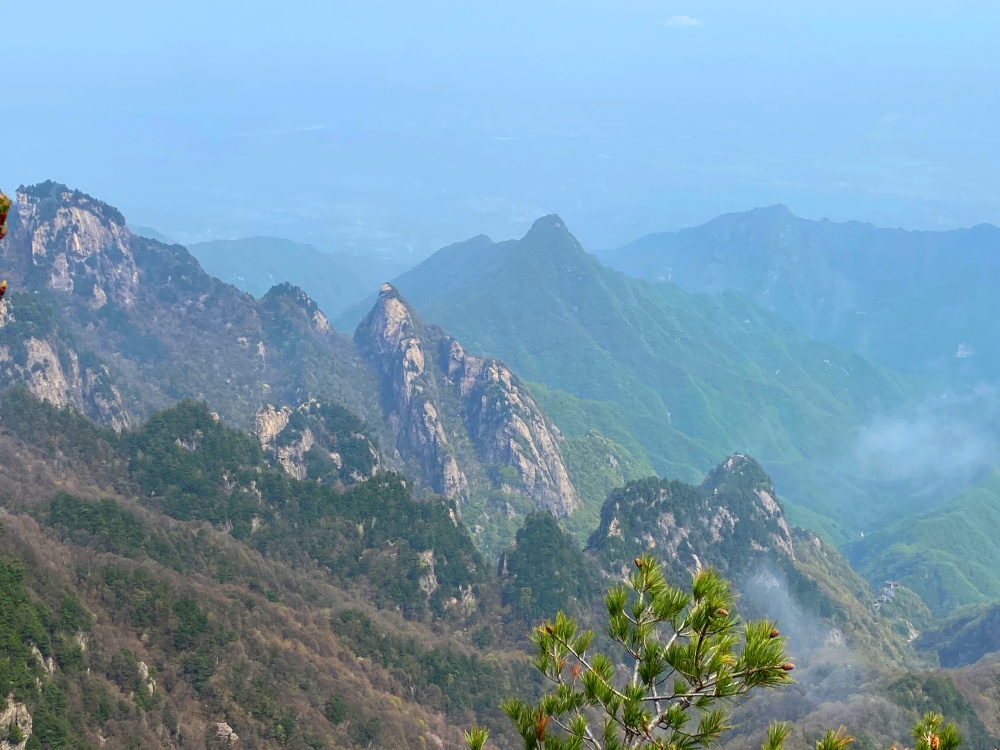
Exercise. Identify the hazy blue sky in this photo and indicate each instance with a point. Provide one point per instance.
(375, 124)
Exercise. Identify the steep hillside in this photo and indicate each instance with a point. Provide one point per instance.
(185, 587)
(165, 328)
(120, 326)
(544, 572)
(854, 285)
(850, 657)
(733, 522)
(208, 593)
(256, 264)
(965, 638)
(318, 441)
(949, 556)
(689, 377)
(39, 349)
(468, 423)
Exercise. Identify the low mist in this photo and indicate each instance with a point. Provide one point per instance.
(825, 672)
(951, 434)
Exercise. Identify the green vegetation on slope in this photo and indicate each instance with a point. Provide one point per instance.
(459, 684)
(597, 465)
(245, 625)
(938, 693)
(692, 377)
(545, 572)
(196, 468)
(852, 284)
(949, 556)
(200, 625)
(342, 451)
(966, 637)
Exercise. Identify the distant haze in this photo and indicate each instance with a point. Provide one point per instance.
(397, 127)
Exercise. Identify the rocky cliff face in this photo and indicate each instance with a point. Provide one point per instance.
(469, 423)
(34, 351)
(14, 715)
(72, 244)
(317, 441)
(729, 521)
(121, 325)
(389, 338)
(166, 329)
(509, 428)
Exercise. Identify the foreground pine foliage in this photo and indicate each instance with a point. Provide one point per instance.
(682, 661)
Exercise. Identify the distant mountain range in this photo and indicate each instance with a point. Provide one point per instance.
(220, 516)
(919, 302)
(152, 234)
(255, 264)
(676, 378)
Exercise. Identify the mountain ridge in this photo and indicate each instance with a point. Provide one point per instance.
(151, 327)
(852, 284)
(311, 582)
(696, 376)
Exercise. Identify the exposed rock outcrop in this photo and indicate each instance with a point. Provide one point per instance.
(728, 521)
(509, 428)
(317, 441)
(459, 415)
(79, 245)
(34, 351)
(14, 715)
(144, 676)
(165, 328)
(428, 581)
(225, 734)
(390, 339)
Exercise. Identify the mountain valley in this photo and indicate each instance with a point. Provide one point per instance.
(225, 522)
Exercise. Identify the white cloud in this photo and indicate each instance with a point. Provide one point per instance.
(681, 22)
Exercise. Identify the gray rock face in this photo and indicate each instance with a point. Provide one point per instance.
(730, 521)
(80, 245)
(16, 714)
(56, 372)
(389, 337)
(441, 399)
(325, 437)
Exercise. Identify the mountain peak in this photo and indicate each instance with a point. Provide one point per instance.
(762, 216)
(50, 196)
(729, 521)
(547, 226)
(286, 295)
(389, 323)
(73, 244)
(777, 210)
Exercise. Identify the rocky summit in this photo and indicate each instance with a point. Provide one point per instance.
(119, 325)
(243, 528)
(468, 422)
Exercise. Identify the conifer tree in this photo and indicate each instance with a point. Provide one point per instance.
(682, 661)
(682, 658)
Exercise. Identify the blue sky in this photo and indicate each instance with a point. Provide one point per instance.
(393, 126)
